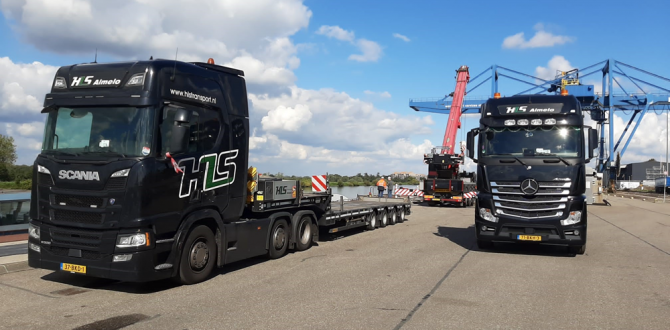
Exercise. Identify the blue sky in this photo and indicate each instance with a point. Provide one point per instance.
(441, 36)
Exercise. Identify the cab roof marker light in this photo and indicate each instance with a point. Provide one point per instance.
(536, 122)
(136, 80)
(59, 82)
(550, 121)
(510, 122)
(522, 122)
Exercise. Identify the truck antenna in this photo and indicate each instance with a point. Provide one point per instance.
(174, 72)
(96, 55)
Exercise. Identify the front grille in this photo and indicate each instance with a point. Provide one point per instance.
(531, 214)
(80, 239)
(85, 254)
(79, 201)
(549, 201)
(541, 191)
(531, 199)
(44, 179)
(533, 206)
(78, 217)
(116, 183)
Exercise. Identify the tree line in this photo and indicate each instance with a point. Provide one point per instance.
(336, 180)
(12, 176)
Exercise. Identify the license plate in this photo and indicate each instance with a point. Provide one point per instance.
(73, 268)
(529, 238)
(442, 190)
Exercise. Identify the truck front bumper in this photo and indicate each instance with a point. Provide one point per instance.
(544, 231)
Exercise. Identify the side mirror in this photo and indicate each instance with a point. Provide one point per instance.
(180, 132)
(471, 143)
(593, 141)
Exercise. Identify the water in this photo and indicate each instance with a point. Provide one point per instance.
(353, 192)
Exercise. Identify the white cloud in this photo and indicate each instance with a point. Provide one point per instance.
(325, 129)
(383, 94)
(371, 51)
(557, 63)
(401, 37)
(541, 38)
(22, 88)
(336, 32)
(286, 118)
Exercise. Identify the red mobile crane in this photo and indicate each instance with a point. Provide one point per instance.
(445, 184)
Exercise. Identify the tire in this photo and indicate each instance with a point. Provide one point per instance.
(198, 256)
(279, 237)
(303, 239)
(383, 219)
(401, 215)
(578, 249)
(372, 221)
(393, 217)
(484, 245)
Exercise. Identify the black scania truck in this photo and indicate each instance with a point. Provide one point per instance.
(144, 175)
(531, 175)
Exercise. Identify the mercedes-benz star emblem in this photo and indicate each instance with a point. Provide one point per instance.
(529, 186)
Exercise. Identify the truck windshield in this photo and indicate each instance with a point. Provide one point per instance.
(537, 141)
(99, 131)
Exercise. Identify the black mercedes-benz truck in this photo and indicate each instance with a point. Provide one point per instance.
(143, 175)
(531, 153)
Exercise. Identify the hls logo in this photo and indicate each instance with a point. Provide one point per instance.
(214, 177)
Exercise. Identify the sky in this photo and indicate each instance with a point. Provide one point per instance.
(329, 82)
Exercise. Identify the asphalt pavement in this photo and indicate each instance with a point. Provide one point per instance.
(13, 249)
(425, 273)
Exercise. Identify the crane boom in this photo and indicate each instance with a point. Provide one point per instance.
(454, 121)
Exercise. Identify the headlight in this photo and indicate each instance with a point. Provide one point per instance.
(550, 121)
(573, 218)
(522, 122)
(510, 122)
(34, 247)
(536, 122)
(132, 240)
(121, 173)
(43, 169)
(487, 215)
(33, 231)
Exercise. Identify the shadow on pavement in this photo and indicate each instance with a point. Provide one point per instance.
(465, 237)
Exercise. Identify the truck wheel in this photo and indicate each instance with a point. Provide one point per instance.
(198, 256)
(278, 239)
(484, 245)
(401, 215)
(579, 249)
(372, 221)
(383, 219)
(393, 217)
(304, 238)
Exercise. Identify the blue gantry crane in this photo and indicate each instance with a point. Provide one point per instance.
(637, 98)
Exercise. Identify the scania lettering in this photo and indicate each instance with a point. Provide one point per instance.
(531, 171)
(144, 175)
(78, 175)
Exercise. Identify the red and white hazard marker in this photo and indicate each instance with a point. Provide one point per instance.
(319, 183)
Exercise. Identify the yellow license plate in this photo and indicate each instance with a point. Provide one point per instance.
(73, 268)
(529, 238)
(442, 190)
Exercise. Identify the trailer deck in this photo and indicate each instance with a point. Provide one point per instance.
(359, 213)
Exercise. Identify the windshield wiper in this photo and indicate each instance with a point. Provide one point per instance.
(111, 153)
(58, 152)
(559, 158)
(517, 159)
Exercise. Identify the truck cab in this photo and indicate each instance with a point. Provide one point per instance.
(531, 153)
(110, 199)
